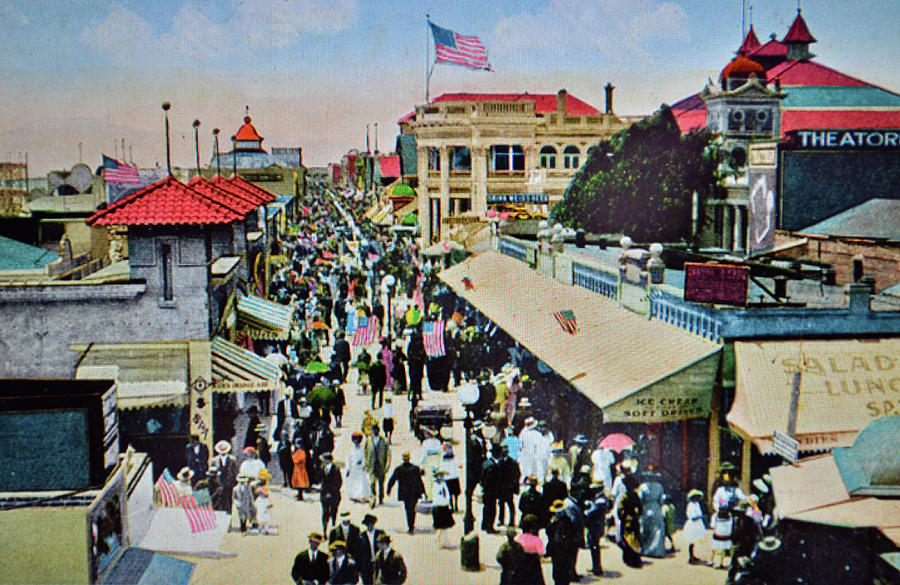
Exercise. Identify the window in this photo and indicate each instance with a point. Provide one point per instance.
(570, 157)
(506, 157)
(460, 159)
(434, 159)
(548, 157)
(165, 254)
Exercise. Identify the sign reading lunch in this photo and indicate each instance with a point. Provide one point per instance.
(848, 139)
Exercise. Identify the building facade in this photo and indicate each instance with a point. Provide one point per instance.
(475, 151)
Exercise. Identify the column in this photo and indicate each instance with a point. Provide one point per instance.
(479, 180)
(423, 195)
(445, 185)
(739, 219)
(727, 226)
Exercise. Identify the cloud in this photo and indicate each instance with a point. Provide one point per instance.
(126, 38)
(281, 22)
(620, 30)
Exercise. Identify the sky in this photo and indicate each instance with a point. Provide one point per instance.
(315, 73)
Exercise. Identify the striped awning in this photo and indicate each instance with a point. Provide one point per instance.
(259, 314)
(235, 369)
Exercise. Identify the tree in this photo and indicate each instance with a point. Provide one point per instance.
(641, 182)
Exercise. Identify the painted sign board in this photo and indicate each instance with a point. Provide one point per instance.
(716, 283)
(786, 446)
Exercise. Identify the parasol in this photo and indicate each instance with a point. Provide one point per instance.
(617, 442)
(319, 325)
(316, 367)
(320, 397)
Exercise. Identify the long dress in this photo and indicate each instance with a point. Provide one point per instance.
(694, 529)
(441, 515)
(299, 477)
(653, 525)
(357, 479)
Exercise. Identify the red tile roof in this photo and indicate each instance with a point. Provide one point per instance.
(390, 166)
(805, 73)
(241, 205)
(750, 44)
(771, 49)
(247, 132)
(252, 197)
(166, 202)
(545, 103)
(265, 196)
(799, 32)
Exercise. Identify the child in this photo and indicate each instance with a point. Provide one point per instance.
(263, 508)
(723, 525)
(694, 529)
(362, 365)
(668, 513)
(242, 496)
(387, 418)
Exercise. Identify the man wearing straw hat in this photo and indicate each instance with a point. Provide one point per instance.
(343, 569)
(311, 566)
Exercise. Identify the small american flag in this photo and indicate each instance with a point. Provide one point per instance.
(567, 321)
(115, 171)
(201, 518)
(165, 485)
(366, 330)
(457, 49)
(433, 337)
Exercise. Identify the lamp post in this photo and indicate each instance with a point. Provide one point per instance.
(216, 138)
(468, 396)
(387, 287)
(196, 126)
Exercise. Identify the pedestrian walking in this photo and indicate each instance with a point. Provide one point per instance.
(365, 549)
(491, 481)
(341, 351)
(311, 565)
(530, 572)
(595, 519)
(299, 474)
(694, 529)
(389, 566)
(562, 539)
(387, 418)
(226, 467)
(378, 379)
(442, 516)
(450, 467)
(197, 457)
(410, 488)
(377, 459)
(330, 490)
(345, 530)
(509, 486)
(723, 527)
(285, 456)
(357, 479)
(668, 514)
(243, 499)
(653, 525)
(342, 568)
(511, 558)
(363, 361)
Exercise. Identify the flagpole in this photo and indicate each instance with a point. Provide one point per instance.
(428, 68)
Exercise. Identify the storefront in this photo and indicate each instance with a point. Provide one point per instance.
(631, 374)
(843, 384)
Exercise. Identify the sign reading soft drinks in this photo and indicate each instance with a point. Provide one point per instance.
(716, 283)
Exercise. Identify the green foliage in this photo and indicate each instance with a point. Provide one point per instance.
(641, 182)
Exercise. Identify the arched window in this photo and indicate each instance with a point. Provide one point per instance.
(548, 157)
(571, 157)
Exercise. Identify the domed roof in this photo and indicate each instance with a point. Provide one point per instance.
(247, 131)
(742, 67)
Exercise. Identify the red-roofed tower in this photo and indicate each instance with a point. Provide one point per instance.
(798, 39)
(247, 139)
(750, 44)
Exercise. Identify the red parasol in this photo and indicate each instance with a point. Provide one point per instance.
(318, 325)
(618, 442)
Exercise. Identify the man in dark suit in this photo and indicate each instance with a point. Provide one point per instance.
(330, 492)
(344, 531)
(390, 568)
(311, 565)
(409, 488)
(509, 486)
(377, 460)
(341, 351)
(364, 550)
(197, 457)
(475, 458)
(554, 489)
(343, 569)
(491, 480)
(378, 380)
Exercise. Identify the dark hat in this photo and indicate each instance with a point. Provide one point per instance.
(529, 521)
(369, 519)
(531, 480)
(727, 466)
(327, 457)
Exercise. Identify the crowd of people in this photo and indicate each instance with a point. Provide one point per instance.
(554, 496)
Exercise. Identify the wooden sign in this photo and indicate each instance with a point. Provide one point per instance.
(724, 284)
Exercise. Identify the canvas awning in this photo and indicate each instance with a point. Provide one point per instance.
(146, 374)
(844, 385)
(264, 319)
(235, 369)
(634, 369)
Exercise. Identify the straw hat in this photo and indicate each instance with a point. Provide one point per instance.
(761, 486)
(250, 450)
(694, 493)
(530, 421)
(338, 544)
(769, 544)
(315, 537)
(223, 447)
(525, 403)
(185, 474)
(557, 506)
(383, 537)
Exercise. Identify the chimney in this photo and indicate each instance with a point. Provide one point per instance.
(858, 267)
(859, 295)
(561, 101)
(781, 283)
(609, 87)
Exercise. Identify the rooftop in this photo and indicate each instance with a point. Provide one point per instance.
(544, 103)
(876, 218)
(15, 255)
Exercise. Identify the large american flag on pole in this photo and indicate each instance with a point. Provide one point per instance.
(201, 518)
(366, 330)
(165, 485)
(116, 171)
(457, 49)
(433, 338)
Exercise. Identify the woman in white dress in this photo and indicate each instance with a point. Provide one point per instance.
(357, 483)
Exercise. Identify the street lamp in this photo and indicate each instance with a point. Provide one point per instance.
(468, 395)
(387, 287)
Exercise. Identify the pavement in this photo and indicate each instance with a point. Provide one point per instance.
(267, 559)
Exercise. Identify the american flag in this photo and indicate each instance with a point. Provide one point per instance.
(567, 321)
(115, 171)
(433, 337)
(201, 518)
(366, 330)
(451, 47)
(165, 485)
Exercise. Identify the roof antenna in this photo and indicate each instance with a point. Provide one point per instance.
(743, 13)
